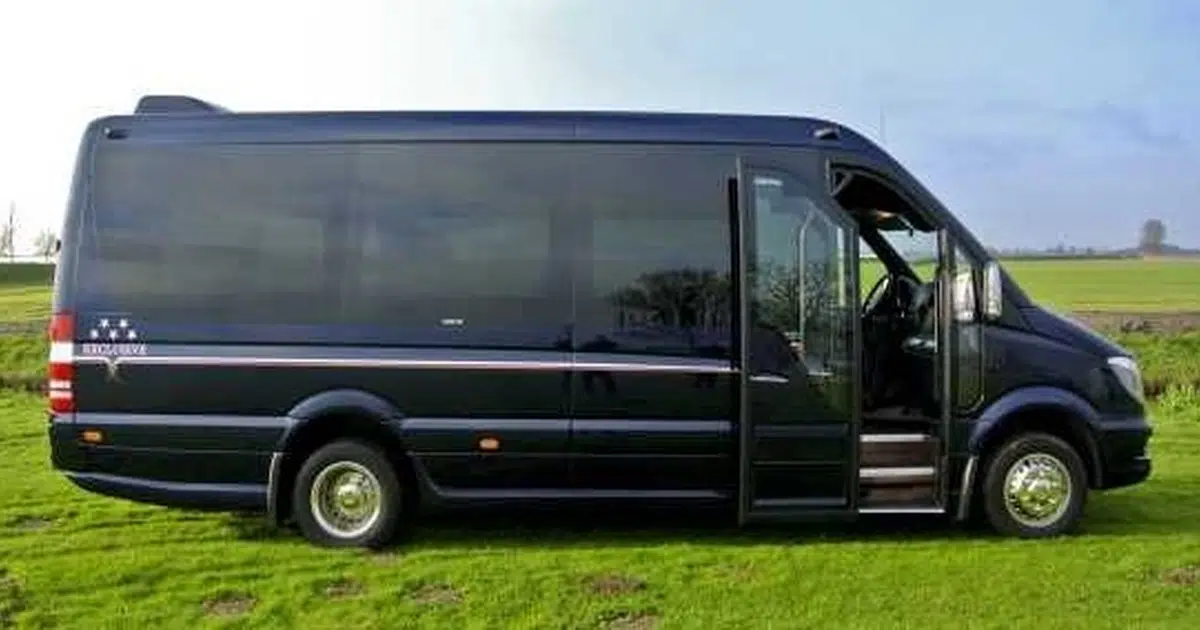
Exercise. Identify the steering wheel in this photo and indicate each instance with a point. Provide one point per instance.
(889, 293)
(875, 296)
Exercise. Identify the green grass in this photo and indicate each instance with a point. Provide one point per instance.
(1167, 361)
(26, 274)
(24, 303)
(71, 559)
(24, 292)
(1111, 285)
(1123, 285)
(23, 360)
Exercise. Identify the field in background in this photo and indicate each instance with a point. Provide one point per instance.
(24, 294)
(1111, 285)
(26, 275)
(1132, 287)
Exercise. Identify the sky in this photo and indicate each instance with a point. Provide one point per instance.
(1036, 123)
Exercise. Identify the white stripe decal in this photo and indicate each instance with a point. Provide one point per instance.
(62, 352)
(59, 384)
(463, 364)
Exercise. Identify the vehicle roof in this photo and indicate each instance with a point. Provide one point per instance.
(219, 125)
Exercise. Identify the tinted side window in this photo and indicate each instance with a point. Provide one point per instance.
(654, 272)
(453, 245)
(461, 244)
(209, 235)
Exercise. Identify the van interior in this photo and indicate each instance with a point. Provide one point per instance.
(901, 432)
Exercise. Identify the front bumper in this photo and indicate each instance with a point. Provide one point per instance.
(1123, 451)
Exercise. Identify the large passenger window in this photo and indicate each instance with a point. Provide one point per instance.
(609, 248)
(452, 245)
(462, 244)
(653, 273)
(211, 235)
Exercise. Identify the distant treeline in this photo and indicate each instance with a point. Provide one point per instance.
(1073, 256)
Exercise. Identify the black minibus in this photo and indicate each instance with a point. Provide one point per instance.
(342, 319)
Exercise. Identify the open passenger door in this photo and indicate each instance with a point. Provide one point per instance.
(796, 258)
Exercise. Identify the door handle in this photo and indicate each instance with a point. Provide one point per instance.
(768, 378)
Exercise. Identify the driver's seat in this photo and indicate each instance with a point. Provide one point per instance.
(898, 358)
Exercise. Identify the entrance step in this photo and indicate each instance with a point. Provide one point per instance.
(896, 475)
(898, 419)
(881, 450)
(897, 495)
(898, 472)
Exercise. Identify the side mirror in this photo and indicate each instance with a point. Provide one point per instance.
(964, 296)
(993, 291)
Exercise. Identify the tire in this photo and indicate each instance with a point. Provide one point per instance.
(371, 504)
(1044, 512)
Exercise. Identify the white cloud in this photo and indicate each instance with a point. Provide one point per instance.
(66, 63)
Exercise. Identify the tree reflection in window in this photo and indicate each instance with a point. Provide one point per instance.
(799, 274)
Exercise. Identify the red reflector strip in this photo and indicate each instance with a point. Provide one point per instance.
(62, 327)
(60, 388)
(62, 372)
(62, 401)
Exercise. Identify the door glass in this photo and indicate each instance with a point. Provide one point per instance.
(801, 279)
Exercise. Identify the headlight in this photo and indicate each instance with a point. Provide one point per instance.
(1126, 371)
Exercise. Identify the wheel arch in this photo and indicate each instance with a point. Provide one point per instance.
(323, 418)
(1051, 410)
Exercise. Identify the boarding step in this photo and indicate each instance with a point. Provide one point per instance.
(885, 450)
(896, 475)
(897, 472)
(896, 496)
(901, 419)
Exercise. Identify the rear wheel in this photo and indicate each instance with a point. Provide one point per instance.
(347, 494)
(1034, 486)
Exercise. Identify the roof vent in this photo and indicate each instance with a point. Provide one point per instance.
(827, 133)
(171, 104)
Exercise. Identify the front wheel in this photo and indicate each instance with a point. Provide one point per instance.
(1035, 486)
(347, 494)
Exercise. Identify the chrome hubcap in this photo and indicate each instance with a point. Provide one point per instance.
(1037, 489)
(345, 499)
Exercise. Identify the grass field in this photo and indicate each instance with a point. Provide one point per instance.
(23, 304)
(24, 292)
(1117, 285)
(70, 559)
(1111, 285)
